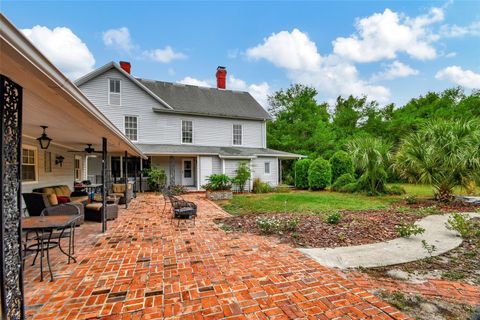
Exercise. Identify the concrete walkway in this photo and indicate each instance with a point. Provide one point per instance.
(396, 251)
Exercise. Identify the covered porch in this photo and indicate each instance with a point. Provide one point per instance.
(37, 98)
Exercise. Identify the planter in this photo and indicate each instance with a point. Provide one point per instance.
(219, 195)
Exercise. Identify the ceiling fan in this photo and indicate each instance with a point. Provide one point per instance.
(88, 149)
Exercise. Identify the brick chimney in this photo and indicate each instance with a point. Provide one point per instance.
(125, 65)
(221, 77)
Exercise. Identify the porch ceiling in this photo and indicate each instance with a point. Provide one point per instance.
(50, 99)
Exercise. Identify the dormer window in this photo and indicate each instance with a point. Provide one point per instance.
(114, 92)
(237, 135)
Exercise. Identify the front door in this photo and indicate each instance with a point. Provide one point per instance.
(187, 172)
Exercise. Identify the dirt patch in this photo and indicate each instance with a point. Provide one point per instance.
(353, 228)
(460, 264)
(427, 309)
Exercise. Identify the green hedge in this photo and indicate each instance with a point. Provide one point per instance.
(301, 173)
(319, 174)
(342, 181)
(341, 164)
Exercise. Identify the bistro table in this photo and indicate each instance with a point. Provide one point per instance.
(43, 226)
(94, 187)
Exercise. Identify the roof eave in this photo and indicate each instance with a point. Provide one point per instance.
(207, 114)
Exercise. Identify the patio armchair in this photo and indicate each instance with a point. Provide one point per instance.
(182, 209)
(118, 190)
(38, 204)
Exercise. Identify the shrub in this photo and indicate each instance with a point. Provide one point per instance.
(218, 182)
(178, 189)
(268, 225)
(349, 188)
(406, 230)
(242, 175)
(301, 173)
(319, 174)
(333, 217)
(261, 187)
(282, 188)
(341, 164)
(395, 190)
(156, 178)
(342, 181)
(411, 199)
(459, 222)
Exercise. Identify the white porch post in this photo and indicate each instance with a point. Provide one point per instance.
(198, 173)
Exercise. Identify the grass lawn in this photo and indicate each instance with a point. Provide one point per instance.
(313, 202)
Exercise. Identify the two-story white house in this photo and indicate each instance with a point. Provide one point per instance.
(190, 131)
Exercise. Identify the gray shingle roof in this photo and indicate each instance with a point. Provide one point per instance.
(168, 149)
(206, 101)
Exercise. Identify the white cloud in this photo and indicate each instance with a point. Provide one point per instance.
(196, 82)
(454, 31)
(330, 75)
(451, 54)
(457, 75)
(290, 50)
(118, 39)
(396, 69)
(63, 48)
(165, 55)
(384, 35)
(259, 91)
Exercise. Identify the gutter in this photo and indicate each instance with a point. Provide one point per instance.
(207, 114)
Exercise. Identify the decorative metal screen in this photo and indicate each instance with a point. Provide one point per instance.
(10, 186)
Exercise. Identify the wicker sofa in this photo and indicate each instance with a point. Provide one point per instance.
(118, 191)
(64, 191)
(39, 204)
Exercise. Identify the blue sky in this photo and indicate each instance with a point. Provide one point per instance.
(390, 51)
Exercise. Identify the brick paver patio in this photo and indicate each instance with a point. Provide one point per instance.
(146, 268)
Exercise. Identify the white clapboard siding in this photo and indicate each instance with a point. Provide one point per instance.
(206, 169)
(258, 170)
(161, 128)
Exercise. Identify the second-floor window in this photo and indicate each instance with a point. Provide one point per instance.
(131, 127)
(114, 92)
(187, 131)
(237, 135)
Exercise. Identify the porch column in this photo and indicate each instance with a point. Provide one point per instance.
(135, 176)
(104, 186)
(125, 159)
(11, 284)
(141, 175)
(280, 174)
(172, 170)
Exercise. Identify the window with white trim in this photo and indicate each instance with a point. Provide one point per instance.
(131, 127)
(267, 167)
(237, 134)
(187, 131)
(114, 92)
(29, 164)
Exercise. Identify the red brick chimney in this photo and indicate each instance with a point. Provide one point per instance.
(125, 65)
(221, 77)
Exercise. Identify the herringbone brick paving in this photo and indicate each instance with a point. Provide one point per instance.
(145, 267)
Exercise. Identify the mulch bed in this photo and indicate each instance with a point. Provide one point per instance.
(354, 228)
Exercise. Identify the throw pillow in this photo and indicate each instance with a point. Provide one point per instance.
(52, 198)
(62, 199)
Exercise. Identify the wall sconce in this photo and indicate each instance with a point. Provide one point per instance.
(44, 139)
(59, 160)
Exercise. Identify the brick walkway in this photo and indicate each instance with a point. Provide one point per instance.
(146, 268)
(453, 291)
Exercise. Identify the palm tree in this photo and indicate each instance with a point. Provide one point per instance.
(442, 153)
(371, 156)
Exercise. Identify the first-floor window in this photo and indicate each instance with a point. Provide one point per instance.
(131, 127)
(29, 164)
(187, 131)
(267, 167)
(77, 168)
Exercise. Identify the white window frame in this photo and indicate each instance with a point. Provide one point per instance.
(181, 131)
(125, 126)
(269, 168)
(110, 93)
(241, 134)
(35, 165)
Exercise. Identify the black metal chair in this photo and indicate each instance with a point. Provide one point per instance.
(182, 209)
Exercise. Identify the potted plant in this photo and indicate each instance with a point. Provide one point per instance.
(156, 178)
(219, 187)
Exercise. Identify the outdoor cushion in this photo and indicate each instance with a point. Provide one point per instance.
(97, 206)
(65, 191)
(52, 198)
(117, 194)
(79, 199)
(47, 190)
(118, 188)
(62, 199)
